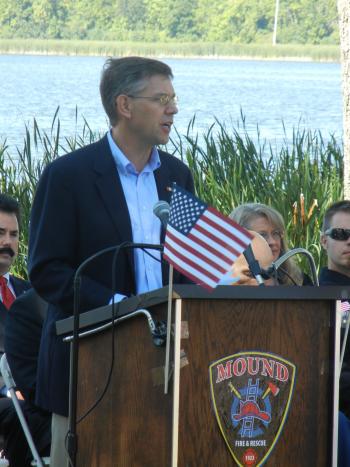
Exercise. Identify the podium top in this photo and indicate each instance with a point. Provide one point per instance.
(156, 297)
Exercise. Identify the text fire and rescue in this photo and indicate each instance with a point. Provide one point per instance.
(252, 365)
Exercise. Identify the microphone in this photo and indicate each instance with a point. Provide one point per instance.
(254, 265)
(161, 209)
(295, 251)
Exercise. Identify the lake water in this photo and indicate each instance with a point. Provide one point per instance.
(303, 94)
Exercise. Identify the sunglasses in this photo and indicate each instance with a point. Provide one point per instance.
(338, 234)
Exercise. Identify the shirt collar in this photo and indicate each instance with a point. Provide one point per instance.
(124, 165)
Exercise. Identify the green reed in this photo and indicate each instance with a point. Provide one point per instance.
(170, 49)
(300, 179)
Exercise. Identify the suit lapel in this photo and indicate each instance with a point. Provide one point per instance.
(164, 183)
(110, 189)
(163, 180)
(19, 285)
(109, 186)
(3, 311)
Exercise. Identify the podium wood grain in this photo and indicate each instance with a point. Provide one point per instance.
(132, 424)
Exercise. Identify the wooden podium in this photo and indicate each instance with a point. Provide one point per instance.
(253, 380)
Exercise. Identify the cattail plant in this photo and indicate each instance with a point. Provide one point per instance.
(229, 167)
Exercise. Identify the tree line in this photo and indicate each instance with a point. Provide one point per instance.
(235, 21)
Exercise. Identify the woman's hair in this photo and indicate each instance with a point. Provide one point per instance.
(244, 214)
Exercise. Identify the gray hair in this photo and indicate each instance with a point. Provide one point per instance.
(127, 75)
(244, 214)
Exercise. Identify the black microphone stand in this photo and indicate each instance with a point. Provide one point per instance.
(254, 265)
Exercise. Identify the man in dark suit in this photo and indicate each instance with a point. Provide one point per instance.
(97, 197)
(10, 286)
(335, 240)
(24, 323)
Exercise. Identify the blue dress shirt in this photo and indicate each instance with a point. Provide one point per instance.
(141, 194)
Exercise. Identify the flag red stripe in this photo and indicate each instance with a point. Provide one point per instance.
(213, 238)
(186, 273)
(210, 248)
(231, 222)
(221, 228)
(200, 242)
(194, 265)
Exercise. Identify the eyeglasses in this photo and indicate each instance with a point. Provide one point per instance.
(276, 235)
(163, 99)
(338, 234)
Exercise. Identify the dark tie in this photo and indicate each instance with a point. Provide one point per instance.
(7, 296)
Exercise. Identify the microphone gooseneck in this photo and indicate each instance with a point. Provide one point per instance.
(278, 263)
(161, 210)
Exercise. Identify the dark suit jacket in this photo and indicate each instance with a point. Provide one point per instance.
(330, 277)
(79, 209)
(19, 286)
(24, 323)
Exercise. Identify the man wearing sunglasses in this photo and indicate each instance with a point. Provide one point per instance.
(335, 239)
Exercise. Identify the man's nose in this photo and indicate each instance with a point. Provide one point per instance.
(6, 239)
(172, 109)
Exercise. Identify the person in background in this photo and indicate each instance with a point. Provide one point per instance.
(270, 225)
(96, 197)
(11, 287)
(22, 340)
(335, 239)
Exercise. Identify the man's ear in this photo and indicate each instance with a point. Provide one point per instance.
(122, 105)
(323, 241)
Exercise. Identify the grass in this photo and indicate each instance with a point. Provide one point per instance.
(229, 168)
(171, 49)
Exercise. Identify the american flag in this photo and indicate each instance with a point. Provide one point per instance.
(344, 309)
(200, 242)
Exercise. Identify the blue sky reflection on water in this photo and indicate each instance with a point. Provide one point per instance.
(267, 92)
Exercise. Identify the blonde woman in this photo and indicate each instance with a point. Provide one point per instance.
(270, 225)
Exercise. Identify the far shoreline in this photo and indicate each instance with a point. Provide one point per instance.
(170, 50)
(180, 57)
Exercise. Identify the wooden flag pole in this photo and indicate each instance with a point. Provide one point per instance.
(168, 331)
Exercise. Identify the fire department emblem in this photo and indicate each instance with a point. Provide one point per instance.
(251, 394)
